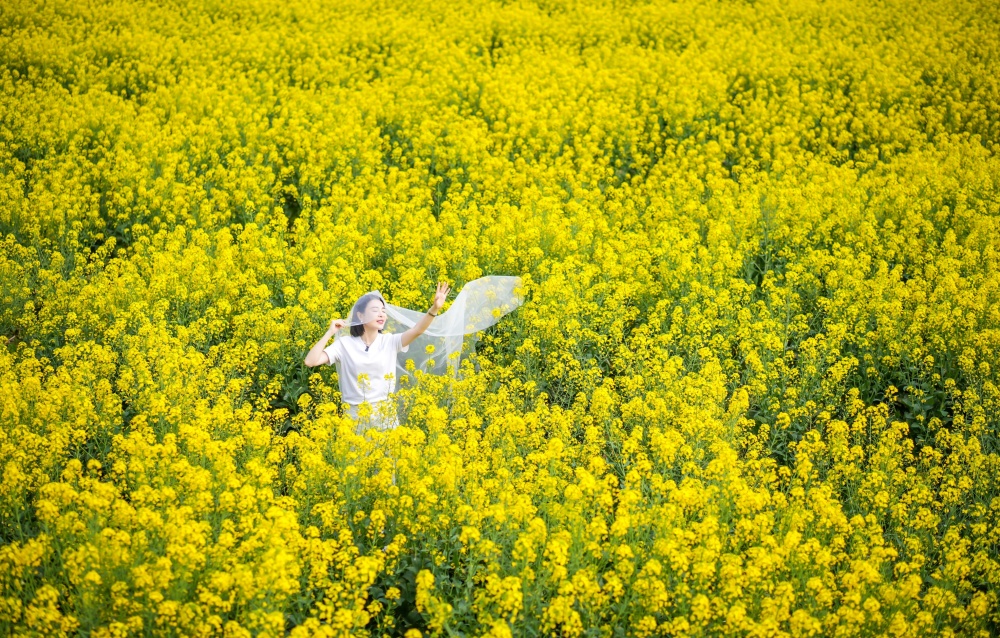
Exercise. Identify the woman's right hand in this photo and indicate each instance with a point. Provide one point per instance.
(337, 324)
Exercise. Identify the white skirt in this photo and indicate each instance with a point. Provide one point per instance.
(382, 416)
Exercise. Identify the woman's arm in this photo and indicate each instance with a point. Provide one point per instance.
(418, 328)
(316, 356)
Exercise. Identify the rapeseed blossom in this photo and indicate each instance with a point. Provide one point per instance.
(753, 389)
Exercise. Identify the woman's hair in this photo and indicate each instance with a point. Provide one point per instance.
(358, 327)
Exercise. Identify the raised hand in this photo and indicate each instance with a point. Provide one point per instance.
(440, 296)
(337, 324)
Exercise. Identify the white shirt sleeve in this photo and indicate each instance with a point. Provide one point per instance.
(397, 343)
(333, 351)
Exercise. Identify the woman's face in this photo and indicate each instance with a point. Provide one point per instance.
(374, 315)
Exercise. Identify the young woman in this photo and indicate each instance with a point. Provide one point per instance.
(367, 357)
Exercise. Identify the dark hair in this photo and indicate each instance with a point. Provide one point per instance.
(359, 329)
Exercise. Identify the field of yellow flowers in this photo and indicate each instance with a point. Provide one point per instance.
(752, 391)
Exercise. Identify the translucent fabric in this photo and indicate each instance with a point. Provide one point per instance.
(439, 349)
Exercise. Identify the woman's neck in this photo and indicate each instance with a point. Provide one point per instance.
(370, 335)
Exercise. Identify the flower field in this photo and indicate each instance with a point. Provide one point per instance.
(752, 391)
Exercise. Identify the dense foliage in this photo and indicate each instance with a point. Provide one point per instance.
(752, 391)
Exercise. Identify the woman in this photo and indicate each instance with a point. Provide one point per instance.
(367, 357)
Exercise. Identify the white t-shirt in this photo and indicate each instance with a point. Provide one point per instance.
(378, 363)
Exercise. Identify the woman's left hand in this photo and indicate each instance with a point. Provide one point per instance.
(440, 296)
